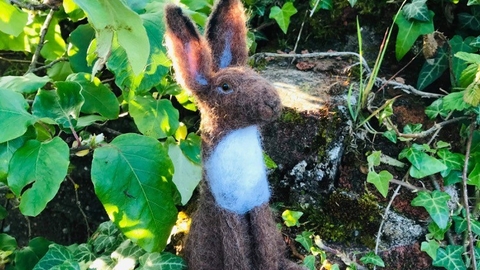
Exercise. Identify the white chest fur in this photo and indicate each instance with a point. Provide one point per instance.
(236, 171)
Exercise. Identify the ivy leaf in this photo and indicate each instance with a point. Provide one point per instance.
(417, 10)
(57, 257)
(154, 118)
(126, 255)
(372, 258)
(472, 92)
(158, 63)
(282, 16)
(14, 116)
(305, 239)
(474, 176)
(453, 161)
(13, 20)
(436, 205)
(457, 44)
(164, 261)
(391, 135)
(450, 258)
(106, 239)
(431, 248)
(291, 217)
(42, 164)
(62, 105)
(436, 232)
(309, 262)
(468, 21)
(113, 16)
(28, 257)
(422, 164)
(325, 4)
(98, 98)
(468, 75)
(432, 70)
(409, 31)
(380, 180)
(454, 101)
(187, 174)
(132, 177)
(84, 253)
(473, 2)
(28, 83)
(436, 109)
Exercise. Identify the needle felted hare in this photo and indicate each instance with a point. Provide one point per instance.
(233, 228)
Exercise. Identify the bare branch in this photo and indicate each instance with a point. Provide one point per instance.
(43, 33)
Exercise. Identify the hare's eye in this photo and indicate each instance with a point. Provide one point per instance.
(225, 88)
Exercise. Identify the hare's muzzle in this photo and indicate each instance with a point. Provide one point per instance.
(271, 109)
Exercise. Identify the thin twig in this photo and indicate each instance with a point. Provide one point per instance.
(43, 33)
(79, 205)
(14, 60)
(465, 197)
(49, 65)
(408, 185)
(299, 35)
(385, 215)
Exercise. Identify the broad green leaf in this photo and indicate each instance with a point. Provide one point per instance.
(163, 261)
(454, 101)
(309, 262)
(112, 16)
(80, 40)
(471, 58)
(6, 152)
(28, 257)
(391, 135)
(59, 71)
(417, 10)
(54, 46)
(85, 121)
(282, 16)
(468, 75)
(476, 42)
(62, 105)
(436, 205)
(473, 2)
(436, 232)
(325, 4)
(7, 242)
(380, 180)
(432, 70)
(107, 238)
(26, 41)
(154, 118)
(460, 224)
(453, 161)
(431, 248)
(472, 91)
(98, 98)
(14, 116)
(74, 12)
(57, 257)
(452, 178)
(372, 258)
(158, 63)
(422, 163)
(468, 21)
(44, 166)
(291, 217)
(474, 176)
(409, 31)
(27, 83)
(191, 148)
(305, 239)
(457, 44)
(450, 258)
(12, 20)
(187, 174)
(374, 159)
(132, 177)
(436, 109)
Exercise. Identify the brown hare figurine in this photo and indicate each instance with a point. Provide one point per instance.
(233, 227)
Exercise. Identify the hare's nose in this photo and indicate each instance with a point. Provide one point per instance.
(274, 104)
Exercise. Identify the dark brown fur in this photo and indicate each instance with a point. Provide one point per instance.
(220, 239)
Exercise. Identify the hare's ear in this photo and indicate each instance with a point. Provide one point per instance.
(226, 33)
(188, 50)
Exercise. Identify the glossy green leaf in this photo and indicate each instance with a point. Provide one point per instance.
(163, 261)
(431, 248)
(14, 116)
(282, 15)
(12, 19)
(62, 105)
(372, 258)
(27, 83)
(98, 98)
(291, 217)
(416, 10)
(191, 148)
(54, 46)
(126, 255)
(59, 71)
(80, 40)
(457, 44)
(374, 159)
(113, 16)
(436, 205)
(132, 177)
(28, 257)
(432, 70)
(380, 180)
(409, 31)
(437, 233)
(450, 258)
(74, 12)
(7, 242)
(58, 257)
(6, 152)
(452, 178)
(187, 174)
(454, 101)
(154, 118)
(468, 21)
(391, 135)
(468, 75)
(44, 166)
(107, 238)
(422, 163)
(158, 63)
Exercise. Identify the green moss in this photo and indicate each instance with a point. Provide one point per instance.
(291, 116)
(345, 219)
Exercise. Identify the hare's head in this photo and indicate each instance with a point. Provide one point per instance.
(229, 95)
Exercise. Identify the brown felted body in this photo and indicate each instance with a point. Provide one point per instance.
(230, 97)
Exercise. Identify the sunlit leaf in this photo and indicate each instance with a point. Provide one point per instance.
(372, 258)
(380, 180)
(291, 217)
(80, 40)
(57, 257)
(12, 20)
(187, 174)
(431, 248)
(27, 83)
(282, 15)
(454, 101)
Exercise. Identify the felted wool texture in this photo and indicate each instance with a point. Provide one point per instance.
(236, 171)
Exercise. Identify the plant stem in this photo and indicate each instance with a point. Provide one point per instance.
(43, 33)
(465, 197)
(79, 205)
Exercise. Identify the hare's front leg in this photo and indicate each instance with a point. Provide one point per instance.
(269, 247)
